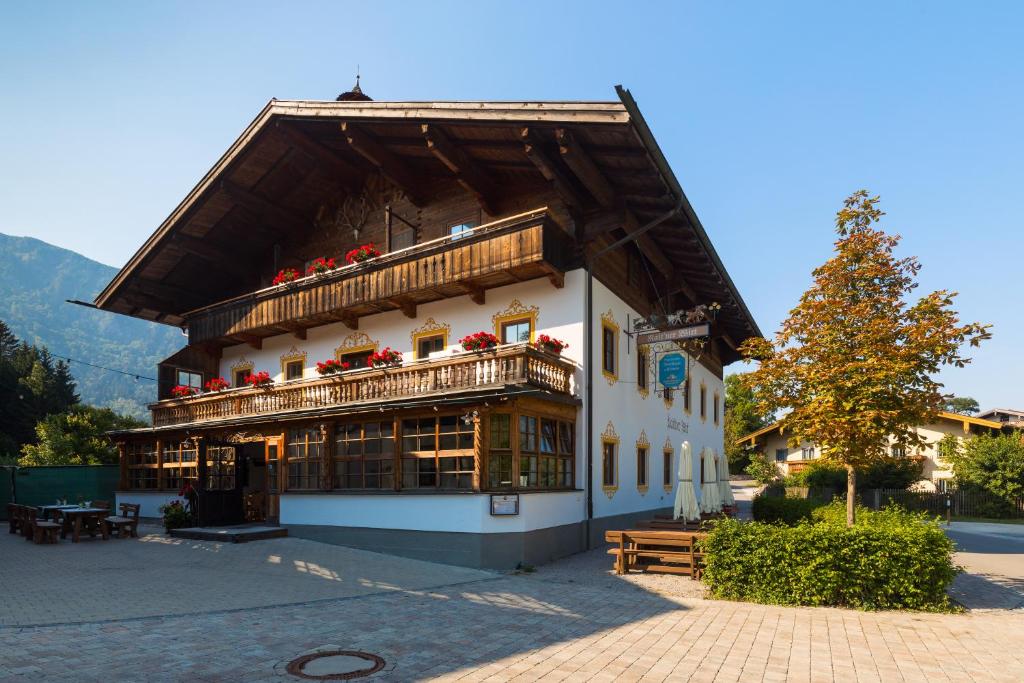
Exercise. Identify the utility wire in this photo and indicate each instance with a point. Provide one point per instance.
(101, 367)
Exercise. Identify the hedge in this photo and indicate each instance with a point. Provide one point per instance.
(788, 511)
(890, 559)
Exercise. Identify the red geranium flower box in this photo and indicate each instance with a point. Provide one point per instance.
(259, 380)
(385, 358)
(285, 276)
(321, 265)
(362, 253)
(479, 341)
(549, 344)
(183, 391)
(217, 384)
(332, 367)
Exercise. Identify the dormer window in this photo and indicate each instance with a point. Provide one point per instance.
(457, 230)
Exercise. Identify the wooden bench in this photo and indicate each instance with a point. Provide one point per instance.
(127, 521)
(657, 550)
(13, 518)
(35, 529)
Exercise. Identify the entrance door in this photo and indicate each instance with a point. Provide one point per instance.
(274, 449)
(220, 491)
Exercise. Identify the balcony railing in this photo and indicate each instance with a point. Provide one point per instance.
(470, 371)
(503, 252)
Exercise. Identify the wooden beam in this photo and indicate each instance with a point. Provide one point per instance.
(389, 164)
(648, 247)
(350, 320)
(264, 207)
(167, 292)
(298, 331)
(547, 168)
(577, 159)
(407, 306)
(556, 277)
(593, 225)
(477, 294)
(468, 173)
(252, 340)
(341, 170)
(680, 286)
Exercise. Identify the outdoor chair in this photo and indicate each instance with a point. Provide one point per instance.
(13, 519)
(101, 504)
(38, 530)
(127, 521)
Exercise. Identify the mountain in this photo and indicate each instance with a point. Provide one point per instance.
(35, 280)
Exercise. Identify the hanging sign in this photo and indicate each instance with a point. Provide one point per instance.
(672, 370)
(680, 333)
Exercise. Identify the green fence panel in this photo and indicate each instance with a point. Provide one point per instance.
(44, 485)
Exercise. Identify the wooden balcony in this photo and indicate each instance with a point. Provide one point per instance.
(516, 365)
(510, 250)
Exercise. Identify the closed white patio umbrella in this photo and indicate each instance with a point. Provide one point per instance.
(686, 496)
(724, 487)
(709, 496)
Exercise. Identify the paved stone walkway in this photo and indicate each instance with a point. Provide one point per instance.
(570, 621)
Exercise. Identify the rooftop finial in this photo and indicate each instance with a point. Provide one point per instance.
(355, 94)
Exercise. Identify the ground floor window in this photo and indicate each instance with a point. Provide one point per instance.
(666, 468)
(609, 475)
(141, 459)
(220, 468)
(364, 455)
(499, 462)
(305, 448)
(180, 464)
(437, 452)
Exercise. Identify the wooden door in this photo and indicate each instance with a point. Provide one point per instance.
(274, 455)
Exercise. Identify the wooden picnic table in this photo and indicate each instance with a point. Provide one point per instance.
(77, 518)
(52, 512)
(657, 550)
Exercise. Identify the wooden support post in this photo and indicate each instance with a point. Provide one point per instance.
(160, 479)
(122, 455)
(396, 431)
(327, 456)
(479, 450)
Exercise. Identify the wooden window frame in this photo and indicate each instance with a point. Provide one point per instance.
(687, 396)
(608, 324)
(667, 470)
(643, 466)
(305, 460)
(142, 465)
(424, 336)
(188, 371)
(246, 367)
(703, 402)
(293, 356)
(716, 408)
(493, 453)
(340, 436)
(530, 321)
(177, 465)
(438, 453)
(642, 372)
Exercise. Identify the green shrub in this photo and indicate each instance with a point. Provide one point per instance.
(784, 510)
(889, 559)
(175, 515)
(763, 469)
(890, 473)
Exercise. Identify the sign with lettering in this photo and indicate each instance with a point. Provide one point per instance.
(672, 370)
(678, 334)
(504, 504)
(678, 425)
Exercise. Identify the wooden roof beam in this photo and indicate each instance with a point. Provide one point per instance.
(389, 164)
(264, 207)
(468, 173)
(647, 245)
(167, 292)
(551, 173)
(341, 169)
(583, 166)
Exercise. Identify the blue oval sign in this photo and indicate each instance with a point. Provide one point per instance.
(672, 370)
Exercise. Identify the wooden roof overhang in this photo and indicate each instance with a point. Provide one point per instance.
(599, 157)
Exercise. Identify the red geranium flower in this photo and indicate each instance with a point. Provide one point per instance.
(259, 379)
(549, 344)
(217, 384)
(286, 275)
(385, 358)
(321, 265)
(182, 391)
(362, 253)
(479, 341)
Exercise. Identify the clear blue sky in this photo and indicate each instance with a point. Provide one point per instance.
(770, 114)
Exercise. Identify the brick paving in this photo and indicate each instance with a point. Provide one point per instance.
(552, 625)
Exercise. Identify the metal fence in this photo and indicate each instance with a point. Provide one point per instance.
(959, 502)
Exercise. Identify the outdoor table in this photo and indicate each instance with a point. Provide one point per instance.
(53, 511)
(77, 517)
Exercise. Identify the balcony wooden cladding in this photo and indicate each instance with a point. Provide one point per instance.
(501, 253)
(506, 366)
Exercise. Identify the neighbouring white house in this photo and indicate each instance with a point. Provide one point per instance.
(773, 442)
(1008, 418)
(516, 219)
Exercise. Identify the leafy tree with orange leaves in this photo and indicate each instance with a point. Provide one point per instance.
(854, 363)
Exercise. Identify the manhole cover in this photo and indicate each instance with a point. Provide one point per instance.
(335, 665)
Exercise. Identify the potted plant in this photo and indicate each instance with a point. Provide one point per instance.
(217, 384)
(385, 358)
(259, 380)
(321, 266)
(479, 341)
(176, 516)
(549, 344)
(362, 253)
(285, 276)
(182, 391)
(332, 367)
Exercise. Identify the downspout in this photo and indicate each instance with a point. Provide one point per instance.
(589, 347)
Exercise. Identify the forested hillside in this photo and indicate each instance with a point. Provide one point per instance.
(35, 280)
